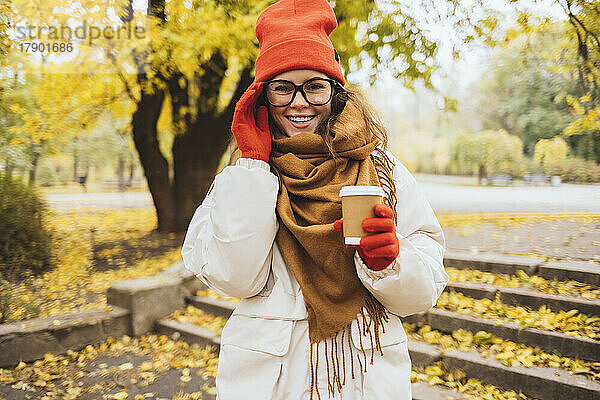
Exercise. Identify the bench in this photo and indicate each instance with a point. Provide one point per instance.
(535, 178)
(499, 179)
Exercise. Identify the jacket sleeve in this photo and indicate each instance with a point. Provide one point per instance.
(414, 281)
(228, 244)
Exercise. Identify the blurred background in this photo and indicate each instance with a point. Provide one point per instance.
(115, 117)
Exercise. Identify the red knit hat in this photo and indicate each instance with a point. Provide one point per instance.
(294, 34)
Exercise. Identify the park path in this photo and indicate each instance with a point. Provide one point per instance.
(566, 198)
(559, 239)
(99, 200)
(456, 195)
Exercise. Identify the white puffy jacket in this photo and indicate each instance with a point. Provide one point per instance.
(230, 245)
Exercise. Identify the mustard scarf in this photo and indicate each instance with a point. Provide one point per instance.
(307, 205)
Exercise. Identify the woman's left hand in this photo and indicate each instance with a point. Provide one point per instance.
(377, 250)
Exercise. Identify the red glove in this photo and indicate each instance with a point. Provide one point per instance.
(253, 139)
(380, 249)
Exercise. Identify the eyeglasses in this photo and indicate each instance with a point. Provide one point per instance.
(316, 91)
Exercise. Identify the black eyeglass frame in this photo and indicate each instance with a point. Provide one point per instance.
(335, 86)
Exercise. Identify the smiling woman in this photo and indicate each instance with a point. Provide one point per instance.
(316, 316)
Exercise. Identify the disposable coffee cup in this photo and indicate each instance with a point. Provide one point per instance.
(357, 204)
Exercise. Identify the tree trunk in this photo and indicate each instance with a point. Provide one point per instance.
(8, 167)
(156, 167)
(131, 171)
(121, 173)
(197, 149)
(481, 174)
(195, 163)
(75, 160)
(33, 169)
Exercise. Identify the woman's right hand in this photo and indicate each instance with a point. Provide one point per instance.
(253, 137)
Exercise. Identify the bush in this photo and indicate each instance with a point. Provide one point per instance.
(63, 177)
(579, 171)
(45, 176)
(486, 152)
(572, 169)
(24, 243)
(550, 154)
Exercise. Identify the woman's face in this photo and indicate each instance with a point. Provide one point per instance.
(290, 118)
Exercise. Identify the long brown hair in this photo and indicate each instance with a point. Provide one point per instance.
(383, 164)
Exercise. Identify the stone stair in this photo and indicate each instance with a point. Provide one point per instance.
(525, 297)
(535, 382)
(196, 334)
(581, 271)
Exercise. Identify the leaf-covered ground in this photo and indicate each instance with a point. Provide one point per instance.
(507, 352)
(439, 374)
(147, 367)
(570, 323)
(556, 236)
(91, 249)
(522, 280)
(193, 315)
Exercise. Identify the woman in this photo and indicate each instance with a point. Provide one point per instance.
(316, 318)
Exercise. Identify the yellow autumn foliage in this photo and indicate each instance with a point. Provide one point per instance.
(506, 351)
(522, 280)
(75, 283)
(61, 373)
(570, 322)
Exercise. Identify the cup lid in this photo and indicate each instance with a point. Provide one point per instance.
(361, 191)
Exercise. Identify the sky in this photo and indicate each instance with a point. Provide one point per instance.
(457, 76)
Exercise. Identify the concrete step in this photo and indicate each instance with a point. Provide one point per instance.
(222, 308)
(551, 342)
(526, 297)
(195, 334)
(191, 333)
(535, 299)
(538, 382)
(474, 290)
(542, 383)
(448, 321)
(422, 391)
(490, 262)
(581, 271)
(29, 340)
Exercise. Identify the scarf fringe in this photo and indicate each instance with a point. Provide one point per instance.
(371, 324)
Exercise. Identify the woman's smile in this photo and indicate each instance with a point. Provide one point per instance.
(300, 121)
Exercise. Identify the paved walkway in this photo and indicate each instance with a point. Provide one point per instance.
(560, 239)
(100, 200)
(446, 194)
(524, 199)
